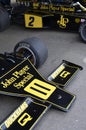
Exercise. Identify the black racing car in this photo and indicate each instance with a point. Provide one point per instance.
(30, 48)
(63, 14)
(18, 77)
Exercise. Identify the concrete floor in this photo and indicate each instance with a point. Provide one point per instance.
(61, 45)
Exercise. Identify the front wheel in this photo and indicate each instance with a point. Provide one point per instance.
(82, 31)
(33, 49)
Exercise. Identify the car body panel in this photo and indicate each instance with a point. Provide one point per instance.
(56, 14)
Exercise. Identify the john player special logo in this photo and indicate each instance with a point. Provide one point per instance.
(62, 22)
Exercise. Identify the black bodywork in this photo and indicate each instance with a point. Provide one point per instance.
(19, 77)
(63, 14)
(7, 62)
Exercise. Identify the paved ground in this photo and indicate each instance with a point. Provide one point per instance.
(61, 45)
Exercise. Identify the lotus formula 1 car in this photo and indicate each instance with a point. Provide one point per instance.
(63, 14)
(19, 77)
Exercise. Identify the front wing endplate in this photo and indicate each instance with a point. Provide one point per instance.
(26, 116)
(64, 73)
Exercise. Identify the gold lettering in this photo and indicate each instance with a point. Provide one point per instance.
(54, 8)
(35, 5)
(21, 72)
(64, 74)
(24, 119)
(64, 9)
(44, 7)
(23, 81)
(16, 114)
(8, 82)
(58, 71)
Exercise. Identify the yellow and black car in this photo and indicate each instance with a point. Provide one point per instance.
(63, 14)
(19, 77)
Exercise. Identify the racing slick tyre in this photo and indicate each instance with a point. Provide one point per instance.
(33, 49)
(4, 19)
(82, 31)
